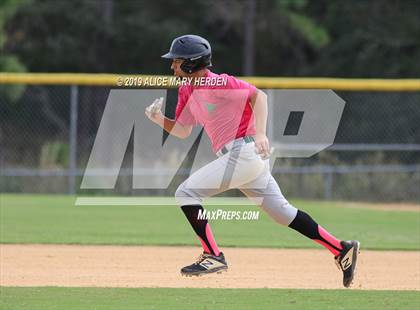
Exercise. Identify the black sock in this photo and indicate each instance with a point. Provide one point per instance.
(199, 226)
(304, 224)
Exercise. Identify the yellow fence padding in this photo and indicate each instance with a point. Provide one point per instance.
(93, 79)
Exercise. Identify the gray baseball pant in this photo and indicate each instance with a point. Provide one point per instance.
(240, 168)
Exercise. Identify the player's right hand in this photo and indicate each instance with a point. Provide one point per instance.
(153, 111)
(262, 146)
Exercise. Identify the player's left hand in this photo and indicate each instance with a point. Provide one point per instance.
(262, 146)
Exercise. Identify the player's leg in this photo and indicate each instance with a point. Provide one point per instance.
(189, 196)
(276, 205)
(201, 227)
(226, 172)
(271, 200)
(211, 260)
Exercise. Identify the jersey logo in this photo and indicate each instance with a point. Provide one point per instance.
(210, 107)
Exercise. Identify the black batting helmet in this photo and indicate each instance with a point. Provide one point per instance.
(194, 49)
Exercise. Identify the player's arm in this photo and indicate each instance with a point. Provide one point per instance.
(259, 105)
(175, 128)
(171, 126)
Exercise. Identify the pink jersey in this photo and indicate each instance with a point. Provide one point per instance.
(224, 111)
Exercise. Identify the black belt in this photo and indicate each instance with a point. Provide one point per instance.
(247, 139)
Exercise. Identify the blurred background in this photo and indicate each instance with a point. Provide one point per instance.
(47, 131)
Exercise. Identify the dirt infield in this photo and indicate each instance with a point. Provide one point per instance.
(132, 266)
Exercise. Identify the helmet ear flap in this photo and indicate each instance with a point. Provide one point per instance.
(188, 66)
(196, 63)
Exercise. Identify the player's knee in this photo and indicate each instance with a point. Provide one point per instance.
(185, 196)
(181, 191)
(281, 211)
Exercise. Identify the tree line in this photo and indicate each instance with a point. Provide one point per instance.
(377, 38)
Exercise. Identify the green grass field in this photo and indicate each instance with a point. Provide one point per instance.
(55, 219)
(50, 298)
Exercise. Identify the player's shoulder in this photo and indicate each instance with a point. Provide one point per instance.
(212, 74)
(184, 90)
(233, 81)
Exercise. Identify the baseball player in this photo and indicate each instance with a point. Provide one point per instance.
(234, 116)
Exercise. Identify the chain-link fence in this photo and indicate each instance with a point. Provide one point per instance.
(48, 132)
